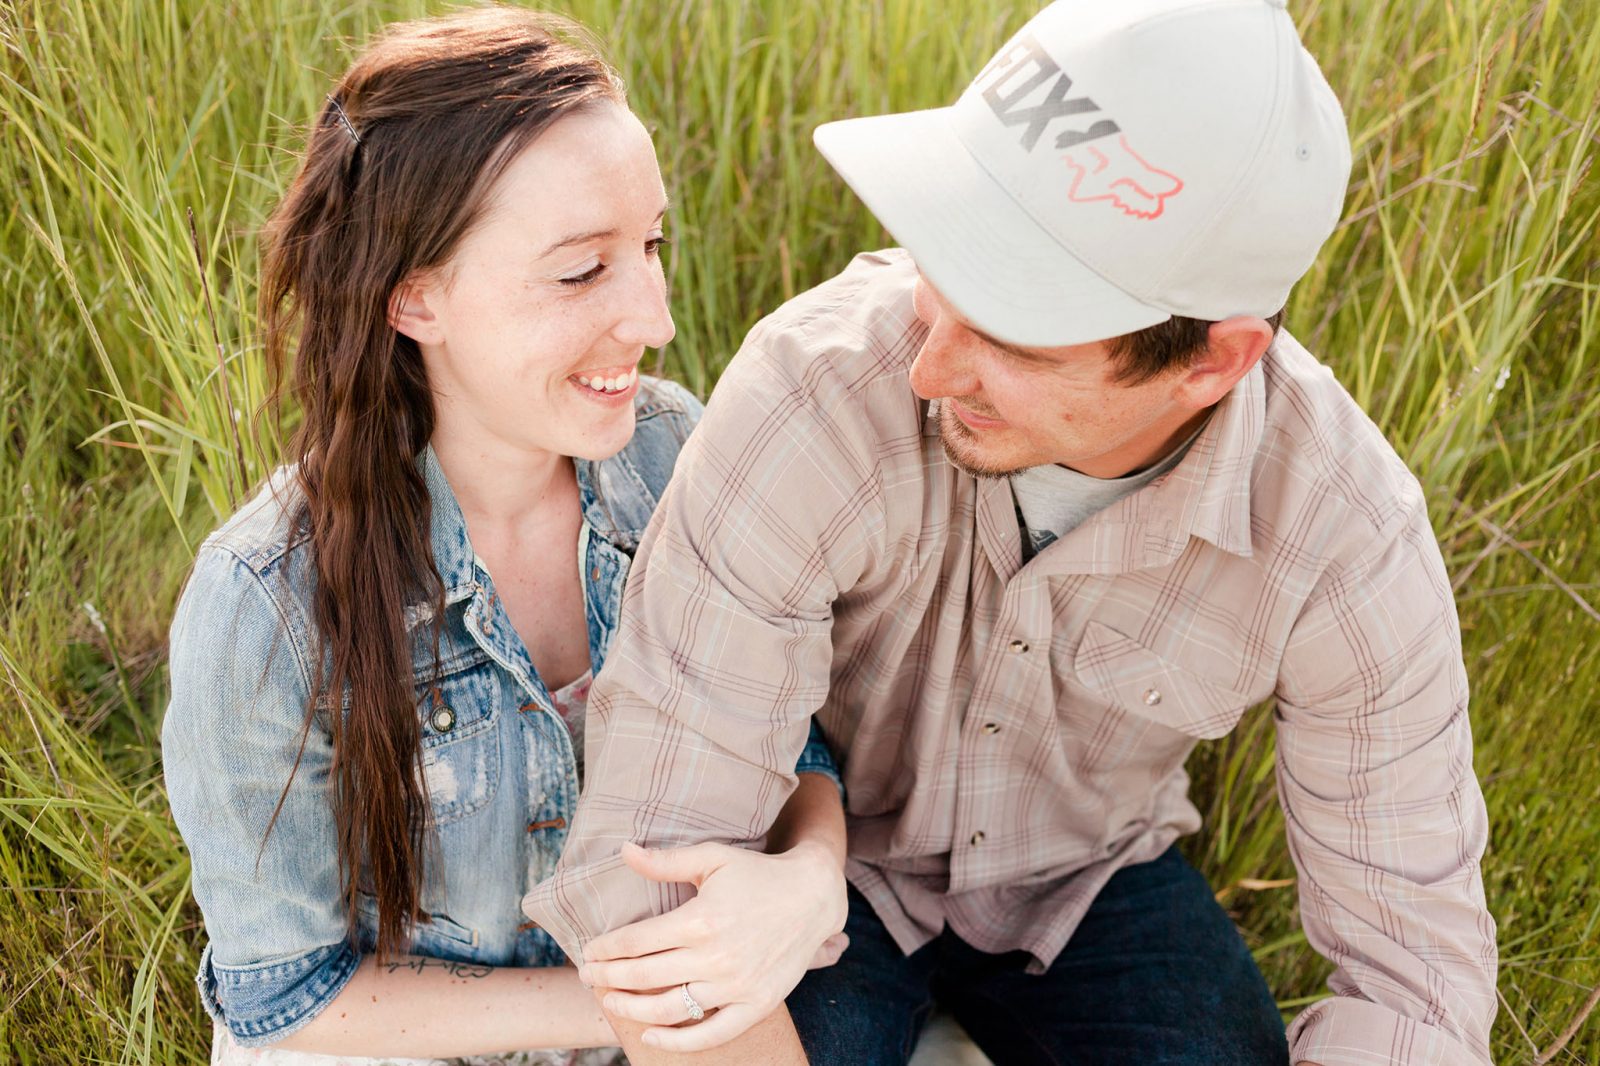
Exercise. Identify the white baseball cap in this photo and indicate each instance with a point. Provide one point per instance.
(1118, 162)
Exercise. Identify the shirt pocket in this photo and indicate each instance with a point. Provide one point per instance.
(460, 736)
(1142, 683)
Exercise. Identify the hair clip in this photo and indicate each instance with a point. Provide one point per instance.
(344, 118)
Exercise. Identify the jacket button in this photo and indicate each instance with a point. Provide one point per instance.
(594, 575)
(977, 838)
(443, 719)
(1152, 696)
(1019, 647)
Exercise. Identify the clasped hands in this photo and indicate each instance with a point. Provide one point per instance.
(755, 925)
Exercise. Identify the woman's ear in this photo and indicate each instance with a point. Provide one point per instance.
(412, 309)
(1233, 347)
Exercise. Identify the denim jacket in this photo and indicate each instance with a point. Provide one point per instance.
(497, 760)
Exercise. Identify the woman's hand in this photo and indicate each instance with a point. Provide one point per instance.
(756, 925)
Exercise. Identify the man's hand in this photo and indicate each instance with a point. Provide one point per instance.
(756, 925)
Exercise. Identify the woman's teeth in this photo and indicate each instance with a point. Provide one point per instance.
(616, 384)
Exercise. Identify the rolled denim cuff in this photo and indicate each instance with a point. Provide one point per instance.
(817, 759)
(264, 1002)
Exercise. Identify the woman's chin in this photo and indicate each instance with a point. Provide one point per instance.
(602, 439)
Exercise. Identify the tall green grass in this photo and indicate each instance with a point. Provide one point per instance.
(1459, 302)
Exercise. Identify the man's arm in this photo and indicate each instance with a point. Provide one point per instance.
(724, 651)
(745, 939)
(1385, 818)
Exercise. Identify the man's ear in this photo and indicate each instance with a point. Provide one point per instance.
(1233, 347)
(412, 311)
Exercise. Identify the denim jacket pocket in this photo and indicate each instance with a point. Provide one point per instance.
(1148, 686)
(460, 737)
(440, 937)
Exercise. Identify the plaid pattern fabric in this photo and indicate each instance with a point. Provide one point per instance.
(1013, 733)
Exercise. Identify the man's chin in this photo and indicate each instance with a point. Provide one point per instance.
(962, 449)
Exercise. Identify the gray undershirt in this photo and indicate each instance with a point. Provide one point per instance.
(1052, 501)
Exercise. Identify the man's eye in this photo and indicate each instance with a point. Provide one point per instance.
(588, 277)
(654, 245)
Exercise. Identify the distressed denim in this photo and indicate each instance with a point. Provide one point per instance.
(497, 760)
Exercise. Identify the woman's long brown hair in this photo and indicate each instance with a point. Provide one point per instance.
(395, 172)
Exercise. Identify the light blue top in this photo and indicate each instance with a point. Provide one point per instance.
(498, 760)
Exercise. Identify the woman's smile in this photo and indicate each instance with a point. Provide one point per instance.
(608, 385)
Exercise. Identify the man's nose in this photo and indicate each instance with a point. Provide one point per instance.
(943, 366)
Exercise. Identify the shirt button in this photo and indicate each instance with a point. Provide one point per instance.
(977, 838)
(991, 728)
(1020, 647)
(1152, 696)
(443, 719)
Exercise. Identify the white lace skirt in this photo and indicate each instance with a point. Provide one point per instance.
(225, 1052)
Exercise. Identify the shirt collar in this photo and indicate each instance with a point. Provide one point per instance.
(616, 501)
(616, 504)
(1207, 495)
(447, 532)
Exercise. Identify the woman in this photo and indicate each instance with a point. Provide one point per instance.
(379, 665)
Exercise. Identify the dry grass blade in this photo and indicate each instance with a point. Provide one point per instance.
(1549, 1053)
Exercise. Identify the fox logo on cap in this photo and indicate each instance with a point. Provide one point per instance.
(1112, 171)
(1102, 169)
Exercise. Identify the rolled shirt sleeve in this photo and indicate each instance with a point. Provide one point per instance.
(699, 719)
(1386, 822)
(278, 953)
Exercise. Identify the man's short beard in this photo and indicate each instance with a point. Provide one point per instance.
(953, 433)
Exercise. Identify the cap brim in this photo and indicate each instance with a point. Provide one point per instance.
(975, 245)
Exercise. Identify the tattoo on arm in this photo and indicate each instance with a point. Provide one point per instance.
(419, 963)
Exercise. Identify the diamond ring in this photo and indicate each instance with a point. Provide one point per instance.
(696, 1012)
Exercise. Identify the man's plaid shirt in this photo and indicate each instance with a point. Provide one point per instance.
(1013, 733)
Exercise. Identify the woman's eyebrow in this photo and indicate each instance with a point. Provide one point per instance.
(580, 238)
(593, 235)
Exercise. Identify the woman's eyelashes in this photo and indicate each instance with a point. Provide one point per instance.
(652, 248)
(588, 277)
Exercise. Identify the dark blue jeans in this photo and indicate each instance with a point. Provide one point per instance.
(1156, 975)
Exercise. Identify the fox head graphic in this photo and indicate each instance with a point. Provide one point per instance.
(1113, 171)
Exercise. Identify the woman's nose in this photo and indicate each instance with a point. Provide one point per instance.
(646, 319)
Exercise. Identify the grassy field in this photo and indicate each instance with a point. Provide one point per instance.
(1459, 301)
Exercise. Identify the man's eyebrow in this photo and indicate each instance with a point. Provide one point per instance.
(592, 235)
(1009, 349)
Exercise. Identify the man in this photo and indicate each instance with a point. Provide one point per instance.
(1020, 514)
